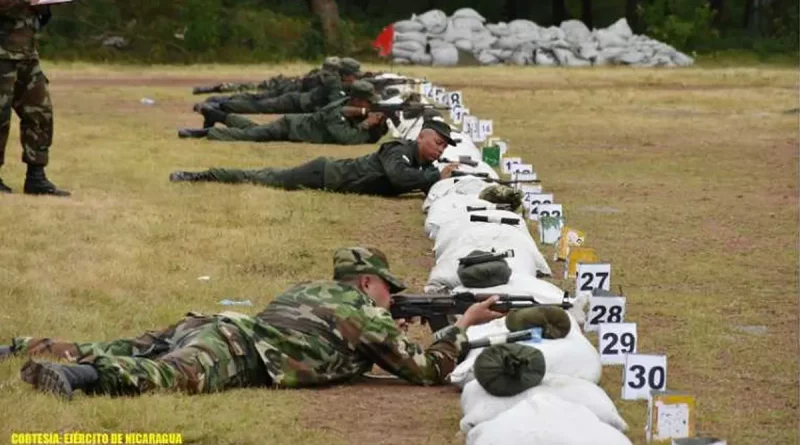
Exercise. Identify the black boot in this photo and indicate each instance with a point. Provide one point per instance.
(5, 352)
(206, 89)
(36, 183)
(182, 176)
(194, 133)
(4, 188)
(59, 379)
(211, 113)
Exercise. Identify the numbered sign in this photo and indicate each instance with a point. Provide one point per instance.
(593, 276)
(426, 89)
(487, 127)
(537, 199)
(526, 169)
(506, 164)
(554, 210)
(614, 340)
(459, 114)
(604, 310)
(438, 94)
(455, 99)
(528, 191)
(643, 373)
(453, 111)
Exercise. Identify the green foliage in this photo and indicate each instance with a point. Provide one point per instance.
(684, 24)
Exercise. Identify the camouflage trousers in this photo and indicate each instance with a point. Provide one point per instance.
(289, 103)
(273, 87)
(310, 175)
(23, 87)
(200, 354)
(243, 129)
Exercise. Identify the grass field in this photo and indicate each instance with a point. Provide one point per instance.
(686, 180)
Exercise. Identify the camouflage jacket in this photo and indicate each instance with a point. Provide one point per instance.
(330, 126)
(19, 24)
(393, 170)
(329, 90)
(323, 332)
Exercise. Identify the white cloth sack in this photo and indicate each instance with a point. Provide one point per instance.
(444, 55)
(410, 36)
(408, 45)
(576, 32)
(468, 185)
(479, 406)
(408, 26)
(546, 420)
(435, 21)
(468, 13)
(572, 355)
(450, 208)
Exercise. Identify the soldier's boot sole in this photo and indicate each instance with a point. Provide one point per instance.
(47, 377)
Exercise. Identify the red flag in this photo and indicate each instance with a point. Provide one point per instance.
(384, 41)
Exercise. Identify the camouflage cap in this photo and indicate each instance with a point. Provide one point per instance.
(351, 261)
(363, 89)
(438, 125)
(350, 66)
(332, 63)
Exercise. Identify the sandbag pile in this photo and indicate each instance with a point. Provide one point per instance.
(541, 391)
(433, 38)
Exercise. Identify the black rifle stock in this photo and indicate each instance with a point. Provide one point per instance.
(384, 82)
(485, 177)
(434, 309)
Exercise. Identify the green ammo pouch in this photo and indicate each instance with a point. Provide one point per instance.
(554, 321)
(509, 369)
(494, 272)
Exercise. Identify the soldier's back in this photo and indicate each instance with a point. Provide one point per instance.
(18, 27)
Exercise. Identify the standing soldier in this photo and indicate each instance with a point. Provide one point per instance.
(23, 87)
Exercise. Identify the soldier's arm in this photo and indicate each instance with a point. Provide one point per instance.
(374, 333)
(402, 175)
(343, 132)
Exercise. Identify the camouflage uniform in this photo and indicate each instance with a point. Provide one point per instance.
(392, 170)
(326, 126)
(315, 333)
(23, 85)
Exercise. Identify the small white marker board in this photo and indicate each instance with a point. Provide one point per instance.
(614, 340)
(554, 210)
(593, 276)
(506, 163)
(604, 310)
(455, 99)
(487, 127)
(525, 169)
(426, 90)
(643, 373)
(458, 115)
(453, 110)
(468, 124)
(536, 200)
(438, 94)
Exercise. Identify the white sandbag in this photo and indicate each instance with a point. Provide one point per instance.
(405, 53)
(532, 36)
(451, 208)
(408, 46)
(445, 55)
(546, 419)
(543, 291)
(408, 26)
(466, 23)
(572, 355)
(521, 25)
(452, 34)
(465, 147)
(608, 39)
(410, 36)
(401, 61)
(566, 57)
(612, 54)
(501, 54)
(468, 13)
(632, 57)
(464, 45)
(468, 185)
(588, 50)
(621, 28)
(487, 58)
(521, 58)
(421, 58)
(576, 32)
(479, 406)
(508, 42)
(435, 21)
(682, 59)
(438, 43)
(499, 29)
(545, 58)
(551, 33)
(483, 39)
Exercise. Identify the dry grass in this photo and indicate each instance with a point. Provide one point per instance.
(700, 166)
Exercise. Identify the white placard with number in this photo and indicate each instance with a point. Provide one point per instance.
(455, 99)
(487, 127)
(604, 310)
(642, 374)
(526, 169)
(554, 210)
(453, 111)
(438, 94)
(593, 276)
(527, 192)
(534, 203)
(426, 90)
(614, 340)
(506, 163)
(458, 115)
(468, 125)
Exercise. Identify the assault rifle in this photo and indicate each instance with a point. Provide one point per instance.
(383, 82)
(485, 177)
(434, 309)
(466, 160)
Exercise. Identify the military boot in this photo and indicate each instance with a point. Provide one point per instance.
(59, 379)
(211, 113)
(193, 133)
(36, 183)
(4, 188)
(183, 176)
(6, 352)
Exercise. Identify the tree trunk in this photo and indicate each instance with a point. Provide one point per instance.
(586, 13)
(717, 7)
(632, 15)
(328, 13)
(559, 12)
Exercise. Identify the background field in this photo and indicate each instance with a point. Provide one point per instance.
(685, 180)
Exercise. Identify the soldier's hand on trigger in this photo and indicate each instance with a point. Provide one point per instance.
(375, 119)
(480, 313)
(447, 171)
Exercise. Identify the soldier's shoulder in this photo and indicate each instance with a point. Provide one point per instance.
(325, 290)
(396, 144)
